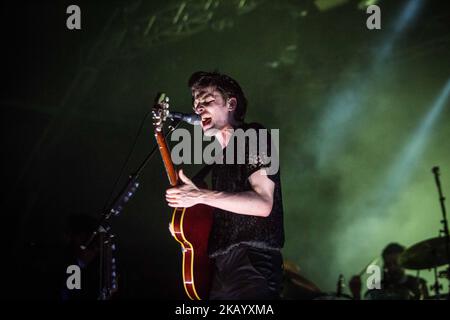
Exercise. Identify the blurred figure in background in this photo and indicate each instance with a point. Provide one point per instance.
(395, 284)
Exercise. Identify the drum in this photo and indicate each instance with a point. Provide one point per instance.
(389, 294)
(442, 296)
(296, 286)
(334, 296)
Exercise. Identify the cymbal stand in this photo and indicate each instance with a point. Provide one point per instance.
(436, 286)
(340, 285)
(444, 222)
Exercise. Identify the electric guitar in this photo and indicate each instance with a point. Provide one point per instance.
(191, 226)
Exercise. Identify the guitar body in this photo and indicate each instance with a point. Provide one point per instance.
(191, 228)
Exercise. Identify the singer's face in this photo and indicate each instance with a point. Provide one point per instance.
(213, 109)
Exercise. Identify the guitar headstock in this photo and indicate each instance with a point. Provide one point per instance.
(160, 111)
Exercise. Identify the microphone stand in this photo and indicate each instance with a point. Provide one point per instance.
(103, 228)
(444, 222)
(340, 286)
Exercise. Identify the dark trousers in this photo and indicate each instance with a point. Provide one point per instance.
(247, 273)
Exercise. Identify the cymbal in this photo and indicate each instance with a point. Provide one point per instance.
(302, 282)
(292, 274)
(297, 287)
(426, 254)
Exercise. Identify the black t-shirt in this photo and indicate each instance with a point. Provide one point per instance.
(230, 229)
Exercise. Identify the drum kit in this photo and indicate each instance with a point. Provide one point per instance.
(429, 255)
(425, 255)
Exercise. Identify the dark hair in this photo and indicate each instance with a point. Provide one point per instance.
(227, 86)
(392, 248)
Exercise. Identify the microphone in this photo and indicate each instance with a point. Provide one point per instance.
(193, 119)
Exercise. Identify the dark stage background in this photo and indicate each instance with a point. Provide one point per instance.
(363, 117)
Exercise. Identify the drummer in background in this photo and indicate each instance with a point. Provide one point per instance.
(396, 284)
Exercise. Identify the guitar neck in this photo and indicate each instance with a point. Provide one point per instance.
(167, 160)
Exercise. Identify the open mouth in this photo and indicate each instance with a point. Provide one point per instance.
(206, 120)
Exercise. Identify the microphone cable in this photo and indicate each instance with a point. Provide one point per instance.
(111, 194)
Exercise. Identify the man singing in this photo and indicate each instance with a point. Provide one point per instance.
(247, 233)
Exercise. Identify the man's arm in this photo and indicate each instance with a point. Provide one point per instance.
(255, 202)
